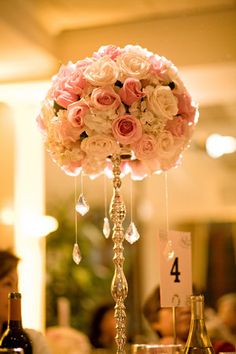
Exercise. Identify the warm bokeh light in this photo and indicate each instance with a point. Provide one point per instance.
(38, 226)
(7, 216)
(218, 145)
(29, 197)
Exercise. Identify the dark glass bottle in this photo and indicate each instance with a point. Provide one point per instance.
(198, 341)
(15, 336)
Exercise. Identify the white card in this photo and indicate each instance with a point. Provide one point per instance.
(175, 273)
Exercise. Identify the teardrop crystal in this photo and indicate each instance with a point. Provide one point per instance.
(82, 206)
(169, 251)
(132, 234)
(106, 227)
(76, 255)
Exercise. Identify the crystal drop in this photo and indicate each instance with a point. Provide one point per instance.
(132, 234)
(106, 227)
(82, 206)
(168, 251)
(76, 255)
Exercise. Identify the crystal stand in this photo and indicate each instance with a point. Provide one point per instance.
(119, 286)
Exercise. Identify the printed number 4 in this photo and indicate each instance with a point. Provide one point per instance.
(175, 270)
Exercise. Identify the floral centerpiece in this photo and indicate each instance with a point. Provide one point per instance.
(117, 101)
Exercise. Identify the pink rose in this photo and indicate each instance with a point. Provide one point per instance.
(66, 132)
(64, 98)
(186, 107)
(177, 126)
(111, 50)
(82, 64)
(76, 113)
(64, 72)
(76, 82)
(61, 91)
(163, 68)
(104, 98)
(127, 129)
(146, 147)
(131, 91)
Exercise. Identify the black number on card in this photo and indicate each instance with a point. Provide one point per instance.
(175, 270)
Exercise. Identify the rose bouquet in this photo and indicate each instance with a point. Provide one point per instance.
(120, 100)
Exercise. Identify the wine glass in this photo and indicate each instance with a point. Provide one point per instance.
(163, 348)
(138, 348)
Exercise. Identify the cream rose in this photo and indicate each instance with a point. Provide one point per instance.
(146, 147)
(102, 72)
(100, 146)
(134, 63)
(161, 101)
(168, 149)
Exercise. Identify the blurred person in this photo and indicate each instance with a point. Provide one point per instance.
(226, 311)
(103, 328)
(8, 284)
(161, 322)
(160, 319)
(67, 340)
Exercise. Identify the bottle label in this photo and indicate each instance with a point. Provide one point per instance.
(175, 258)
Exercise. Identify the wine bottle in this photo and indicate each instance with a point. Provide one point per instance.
(15, 336)
(198, 341)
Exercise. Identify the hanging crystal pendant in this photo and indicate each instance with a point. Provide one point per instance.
(82, 206)
(106, 227)
(132, 234)
(168, 251)
(76, 255)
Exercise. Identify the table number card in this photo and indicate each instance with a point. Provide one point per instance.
(175, 272)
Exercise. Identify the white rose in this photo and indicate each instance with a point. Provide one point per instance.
(134, 63)
(102, 72)
(100, 146)
(161, 101)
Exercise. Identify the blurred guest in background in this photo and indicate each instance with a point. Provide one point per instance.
(103, 328)
(67, 340)
(226, 311)
(8, 284)
(160, 319)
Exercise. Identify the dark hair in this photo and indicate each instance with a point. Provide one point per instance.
(95, 327)
(152, 306)
(8, 262)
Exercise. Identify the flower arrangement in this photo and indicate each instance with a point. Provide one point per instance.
(119, 100)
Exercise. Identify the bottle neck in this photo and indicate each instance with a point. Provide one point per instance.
(14, 313)
(197, 308)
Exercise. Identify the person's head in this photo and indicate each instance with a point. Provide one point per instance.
(226, 309)
(160, 319)
(103, 327)
(8, 281)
